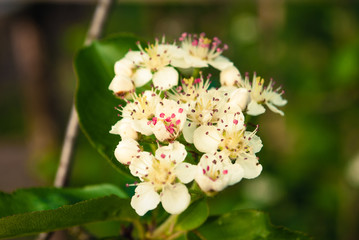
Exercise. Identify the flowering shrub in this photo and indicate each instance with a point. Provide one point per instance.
(198, 135)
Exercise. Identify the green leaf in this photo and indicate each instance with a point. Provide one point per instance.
(194, 216)
(226, 201)
(95, 103)
(31, 211)
(37, 199)
(245, 225)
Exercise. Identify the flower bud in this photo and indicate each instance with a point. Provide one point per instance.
(124, 129)
(126, 150)
(121, 85)
(229, 76)
(240, 97)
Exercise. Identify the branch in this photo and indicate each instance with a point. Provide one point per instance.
(94, 32)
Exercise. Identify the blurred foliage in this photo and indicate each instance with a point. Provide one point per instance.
(312, 48)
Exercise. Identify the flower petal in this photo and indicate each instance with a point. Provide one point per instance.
(255, 109)
(231, 122)
(274, 109)
(124, 129)
(160, 132)
(126, 150)
(124, 67)
(142, 76)
(188, 130)
(165, 78)
(145, 198)
(206, 139)
(235, 173)
(278, 100)
(195, 61)
(175, 198)
(250, 165)
(220, 63)
(180, 63)
(254, 142)
(141, 164)
(174, 152)
(239, 97)
(142, 126)
(135, 56)
(186, 172)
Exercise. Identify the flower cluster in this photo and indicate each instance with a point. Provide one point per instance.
(196, 136)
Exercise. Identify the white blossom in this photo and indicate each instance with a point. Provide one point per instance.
(153, 63)
(207, 109)
(141, 110)
(162, 179)
(190, 90)
(216, 172)
(169, 119)
(261, 94)
(231, 138)
(201, 52)
(204, 110)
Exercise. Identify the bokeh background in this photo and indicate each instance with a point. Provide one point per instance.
(310, 180)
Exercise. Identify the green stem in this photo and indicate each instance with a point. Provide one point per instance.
(165, 228)
(196, 72)
(139, 228)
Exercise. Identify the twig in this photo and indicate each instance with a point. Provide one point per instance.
(94, 32)
(63, 170)
(67, 153)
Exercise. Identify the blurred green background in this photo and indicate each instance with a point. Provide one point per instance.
(310, 180)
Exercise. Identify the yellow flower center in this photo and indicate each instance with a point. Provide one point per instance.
(233, 142)
(162, 173)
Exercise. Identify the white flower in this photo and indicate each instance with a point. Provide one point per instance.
(126, 150)
(216, 172)
(202, 51)
(124, 129)
(208, 107)
(160, 175)
(263, 95)
(167, 124)
(205, 110)
(189, 91)
(141, 111)
(153, 63)
(231, 138)
(229, 76)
